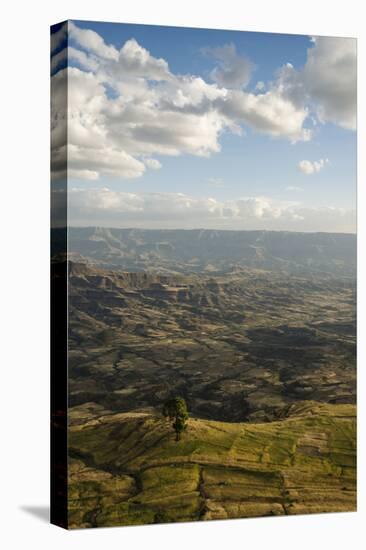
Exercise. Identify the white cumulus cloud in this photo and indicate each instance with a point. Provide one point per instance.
(327, 82)
(270, 113)
(309, 167)
(92, 42)
(125, 105)
(330, 78)
(154, 164)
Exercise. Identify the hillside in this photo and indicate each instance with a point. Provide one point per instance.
(237, 347)
(256, 331)
(127, 468)
(212, 251)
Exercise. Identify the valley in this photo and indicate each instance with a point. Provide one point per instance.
(236, 347)
(261, 348)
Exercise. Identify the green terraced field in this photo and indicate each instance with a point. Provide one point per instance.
(127, 468)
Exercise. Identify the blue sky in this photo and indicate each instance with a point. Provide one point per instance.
(182, 47)
(280, 154)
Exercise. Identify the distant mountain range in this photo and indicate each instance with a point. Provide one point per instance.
(212, 251)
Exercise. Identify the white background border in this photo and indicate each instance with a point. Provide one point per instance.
(24, 272)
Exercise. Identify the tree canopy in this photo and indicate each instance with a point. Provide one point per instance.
(176, 409)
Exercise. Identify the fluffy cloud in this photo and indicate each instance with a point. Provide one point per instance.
(136, 60)
(308, 167)
(330, 78)
(327, 82)
(107, 160)
(92, 42)
(106, 207)
(270, 113)
(73, 55)
(233, 71)
(174, 207)
(125, 106)
(152, 163)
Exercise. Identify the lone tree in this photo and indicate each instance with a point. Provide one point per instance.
(176, 410)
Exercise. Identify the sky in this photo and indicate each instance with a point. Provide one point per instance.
(194, 128)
